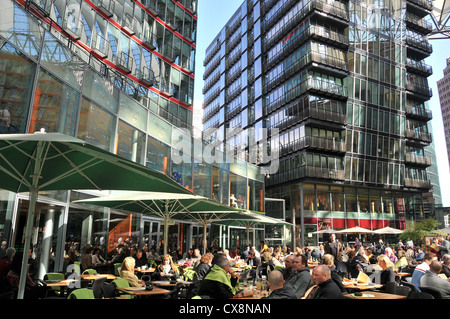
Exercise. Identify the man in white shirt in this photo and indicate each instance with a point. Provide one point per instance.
(421, 269)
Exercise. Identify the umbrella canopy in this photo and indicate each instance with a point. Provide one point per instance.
(324, 231)
(387, 231)
(53, 161)
(256, 218)
(355, 230)
(169, 206)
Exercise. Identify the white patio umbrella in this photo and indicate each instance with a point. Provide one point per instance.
(355, 230)
(257, 218)
(169, 207)
(388, 231)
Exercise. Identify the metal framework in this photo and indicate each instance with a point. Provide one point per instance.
(440, 18)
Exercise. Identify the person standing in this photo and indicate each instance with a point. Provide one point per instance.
(334, 247)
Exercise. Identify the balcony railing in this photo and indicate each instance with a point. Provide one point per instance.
(418, 23)
(306, 172)
(418, 159)
(310, 57)
(418, 88)
(419, 67)
(312, 142)
(419, 43)
(414, 111)
(421, 136)
(426, 4)
(416, 183)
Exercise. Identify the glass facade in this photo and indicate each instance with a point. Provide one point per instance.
(118, 75)
(345, 85)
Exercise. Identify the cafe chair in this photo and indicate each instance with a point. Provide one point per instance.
(419, 295)
(81, 293)
(402, 291)
(117, 269)
(97, 287)
(77, 267)
(54, 276)
(122, 283)
(435, 293)
(90, 271)
(410, 285)
(108, 290)
(390, 287)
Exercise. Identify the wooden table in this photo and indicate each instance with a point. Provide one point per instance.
(98, 276)
(145, 271)
(360, 287)
(142, 292)
(375, 295)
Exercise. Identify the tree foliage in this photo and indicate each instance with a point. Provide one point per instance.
(420, 229)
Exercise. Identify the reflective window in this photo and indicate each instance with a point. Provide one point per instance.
(96, 126)
(131, 143)
(55, 106)
(16, 78)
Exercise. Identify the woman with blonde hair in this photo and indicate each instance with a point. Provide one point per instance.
(127, 272)
(388, 272)
(166, 270)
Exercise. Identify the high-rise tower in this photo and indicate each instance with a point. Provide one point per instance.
(345, 84)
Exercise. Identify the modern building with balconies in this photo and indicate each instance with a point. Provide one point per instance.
(344, 85)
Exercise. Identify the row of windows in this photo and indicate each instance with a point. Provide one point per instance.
(375, 119)
(375, 145)
(370, 171)
(376, 69)
(376, 94)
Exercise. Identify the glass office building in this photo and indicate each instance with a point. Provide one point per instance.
(118, 74)
(345, 85)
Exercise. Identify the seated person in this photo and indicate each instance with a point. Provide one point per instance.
(166, 270)
(127, 272)
(141, 258)
(205, 265)
(388, 273)
(221, 282)
(328, 260)
(432, 280)
(328, 289)
(300, 280)
(421, 269)
(276, 282)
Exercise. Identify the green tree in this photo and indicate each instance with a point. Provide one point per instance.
(420, 229)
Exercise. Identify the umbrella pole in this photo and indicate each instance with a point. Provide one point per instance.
(30, 217)
(27, 244)
(204, 238)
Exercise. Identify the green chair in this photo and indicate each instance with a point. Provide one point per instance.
(54, 276)
(81, 293)
(122, 283)
(90, 272)
(77, 267)
(117, 269)
(278, 267)
(189, 274)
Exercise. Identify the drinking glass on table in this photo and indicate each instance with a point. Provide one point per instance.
(258, 283)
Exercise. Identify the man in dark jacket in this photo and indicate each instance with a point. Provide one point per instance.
(299, 282)
(217, 284)
(328, 289)
(276, 282)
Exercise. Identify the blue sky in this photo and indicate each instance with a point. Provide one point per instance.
(212, 16)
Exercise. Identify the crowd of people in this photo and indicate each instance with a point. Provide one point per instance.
(289, 274)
